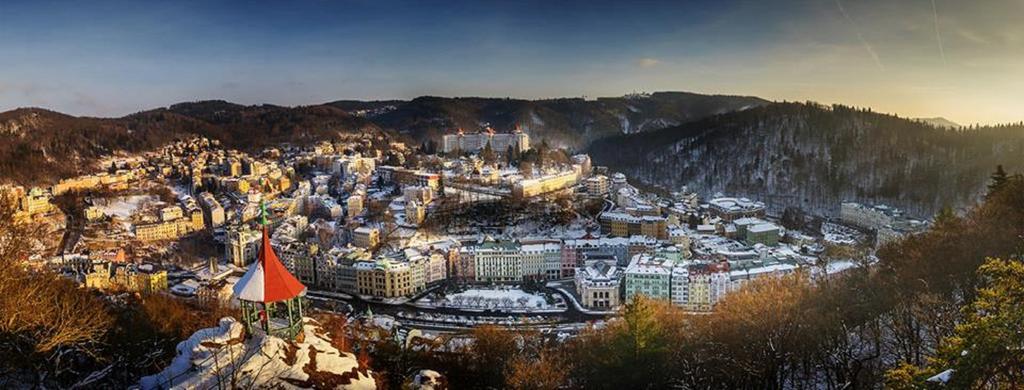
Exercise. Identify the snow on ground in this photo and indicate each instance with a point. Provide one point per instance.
(223, 356)
(184, 289)
(428, 380)
(839, 234)
(180, 190)
(384, 321)
(840, 266)
(124, 207)
(495, 298)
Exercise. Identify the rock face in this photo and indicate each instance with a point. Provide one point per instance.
(222, 355)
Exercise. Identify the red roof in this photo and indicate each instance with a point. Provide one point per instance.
(268, 280)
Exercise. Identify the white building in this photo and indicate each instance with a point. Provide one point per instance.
(498, 261)
(242, 245)
(598, 285)
(421, 194)
(597, 185)
(540, 258)
(472, 143)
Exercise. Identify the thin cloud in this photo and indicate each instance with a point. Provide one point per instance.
(648, 62)
(864, 42)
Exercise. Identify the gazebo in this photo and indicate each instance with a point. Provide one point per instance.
(270, 296)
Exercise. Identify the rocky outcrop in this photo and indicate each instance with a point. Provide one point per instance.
(222, 356)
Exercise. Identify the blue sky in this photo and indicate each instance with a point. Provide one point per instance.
(962, 60)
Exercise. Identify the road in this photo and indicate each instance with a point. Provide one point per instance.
(72, 233)
(359, 305)
(608, 205)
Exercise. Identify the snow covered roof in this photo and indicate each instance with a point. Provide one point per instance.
(541, 247)
(645, 264)
(747, 221)
(267, 280)
(705, 228)
(735, 204)
(762, 228)
(942, 377)
(365, 230)
(762, 270)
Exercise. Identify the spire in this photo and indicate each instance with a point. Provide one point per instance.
(263, 216)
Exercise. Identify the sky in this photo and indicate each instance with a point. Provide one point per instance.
(962, 59)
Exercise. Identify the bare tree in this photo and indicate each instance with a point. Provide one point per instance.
(44, 319)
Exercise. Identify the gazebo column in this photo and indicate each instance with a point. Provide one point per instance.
(291, 318)
(246, 320)
(268, 307)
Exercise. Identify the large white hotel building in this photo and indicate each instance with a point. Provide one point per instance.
(472, 143)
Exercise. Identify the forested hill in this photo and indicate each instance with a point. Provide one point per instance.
(785, 153)
(567, 122)
(813, 156)
(42, 146)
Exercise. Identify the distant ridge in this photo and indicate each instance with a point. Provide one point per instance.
(801, 154)
(44, 146)
(940, 122)
(566, 122)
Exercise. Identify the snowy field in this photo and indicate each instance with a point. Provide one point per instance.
(498, 298)
(123, 208)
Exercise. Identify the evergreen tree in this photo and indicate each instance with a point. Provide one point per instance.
(510, 156)
(633, 353)
(985, 351)
(488, 154)
(998, 179)
(542, 152)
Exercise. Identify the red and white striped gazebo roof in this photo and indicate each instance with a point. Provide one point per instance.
(267, 280)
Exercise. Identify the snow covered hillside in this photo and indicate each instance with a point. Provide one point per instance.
(222, 355)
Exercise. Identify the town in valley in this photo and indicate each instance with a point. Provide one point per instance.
(473, 228)
(522, 195)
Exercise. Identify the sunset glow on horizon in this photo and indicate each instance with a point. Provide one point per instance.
(960, 60)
